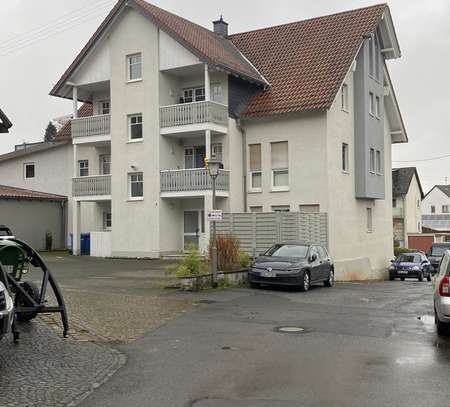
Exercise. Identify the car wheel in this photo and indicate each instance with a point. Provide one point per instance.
(441, 327)
(391, 278)
(33, 291)
(428, 277)
(420, 278)
(306, 281)
(402, 278)
(330, 281)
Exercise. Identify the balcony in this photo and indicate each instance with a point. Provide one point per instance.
(397, 213)
(189, 117)
(91, 129)
(193, 182)
(92, 188)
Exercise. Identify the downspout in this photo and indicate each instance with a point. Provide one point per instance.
(244, 161)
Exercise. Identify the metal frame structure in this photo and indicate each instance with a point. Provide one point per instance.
(38, 307)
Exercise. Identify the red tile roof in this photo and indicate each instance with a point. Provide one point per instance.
(20, 193)
(305, 62)
(205, 44)
(66, 131)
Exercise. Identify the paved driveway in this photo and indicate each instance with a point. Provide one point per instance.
(363, 345)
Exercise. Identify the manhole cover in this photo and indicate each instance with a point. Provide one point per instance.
(290, 329)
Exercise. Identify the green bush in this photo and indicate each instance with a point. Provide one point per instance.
(244, 260)
(192, 264)
(400, 250)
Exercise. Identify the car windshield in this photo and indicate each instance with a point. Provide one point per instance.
(409, 258)
(439, 250)
(287, 250)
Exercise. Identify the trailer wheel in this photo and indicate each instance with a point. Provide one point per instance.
(33, 291)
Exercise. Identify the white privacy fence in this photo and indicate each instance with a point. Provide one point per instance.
(101, 244)
(258, 231)
(193, 113)
(99, 125)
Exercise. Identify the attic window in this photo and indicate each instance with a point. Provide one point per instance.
(134, 66)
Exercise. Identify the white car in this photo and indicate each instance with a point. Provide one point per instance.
(442, 295)
(6, 311)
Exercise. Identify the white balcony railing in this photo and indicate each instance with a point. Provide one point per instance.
(397, 212)
(193, 113)
(195, 179)
(96, 185)
(91, 126)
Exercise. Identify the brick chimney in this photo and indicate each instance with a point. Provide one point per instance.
(221, 27)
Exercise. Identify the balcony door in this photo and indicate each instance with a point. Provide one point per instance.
(194, 157)
(194, 229)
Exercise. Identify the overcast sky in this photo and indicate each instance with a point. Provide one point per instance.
(31, 63)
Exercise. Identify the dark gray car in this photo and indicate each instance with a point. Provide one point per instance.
(436, 252)
(293, 264)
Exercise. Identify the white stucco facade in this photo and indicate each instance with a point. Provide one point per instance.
(437, 199)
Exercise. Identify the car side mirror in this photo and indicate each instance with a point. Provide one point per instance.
(313, 258)
(393, 261)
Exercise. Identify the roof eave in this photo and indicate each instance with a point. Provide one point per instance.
(389, 36)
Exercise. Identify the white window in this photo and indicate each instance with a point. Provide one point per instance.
(83, 168)
(371, 103)
(378, 163)
(377, 58)
(433, 209)
(444, 208)
(217, 93)
(377, 107)
(135, 127)
(255, 175)
(136, 188)
(134, 63)
(344, 97)
(216, 151)
(372, 160)
(104, 107)
(280, 171)
(28, 170)
(256, 209)
(107, 220)
(344, 157)
(281, 208)
(105, 164)
(371, 53)
(369, 220)
(193, 94)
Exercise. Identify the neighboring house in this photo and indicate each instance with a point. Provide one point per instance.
(32, 214)
(301, 115)
(5, 124)
(437, 201)
(407, 196)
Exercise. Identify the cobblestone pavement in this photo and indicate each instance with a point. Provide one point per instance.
(110, 303)
(44, 370)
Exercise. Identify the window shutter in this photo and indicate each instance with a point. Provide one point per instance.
(279, 155)
(255, 157)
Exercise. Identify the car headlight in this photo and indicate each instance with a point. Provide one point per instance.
(392, 268)
(416, 268)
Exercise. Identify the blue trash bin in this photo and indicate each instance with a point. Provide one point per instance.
(85, 244)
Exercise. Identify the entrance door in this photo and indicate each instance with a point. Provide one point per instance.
(191, 229)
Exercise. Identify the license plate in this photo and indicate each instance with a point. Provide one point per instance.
(402, 271)
(269, 274)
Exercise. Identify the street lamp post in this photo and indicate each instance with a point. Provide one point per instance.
(213, 169)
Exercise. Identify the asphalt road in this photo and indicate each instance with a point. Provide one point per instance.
(362, 345)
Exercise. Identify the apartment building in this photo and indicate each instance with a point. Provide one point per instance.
(407, 197)
(301, 115)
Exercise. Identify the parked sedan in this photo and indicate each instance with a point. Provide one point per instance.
(442, 295)
(410, 265)
(436, 252)
(6, 311)
(291, 264)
